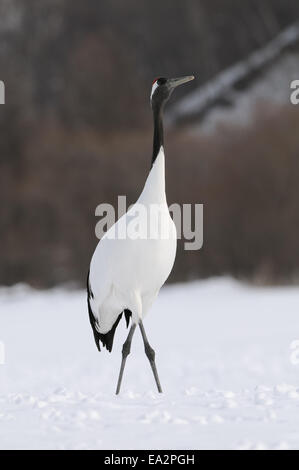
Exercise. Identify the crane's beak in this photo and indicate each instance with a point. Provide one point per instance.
(174, 82)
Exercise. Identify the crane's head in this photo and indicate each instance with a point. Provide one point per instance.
(163, 87)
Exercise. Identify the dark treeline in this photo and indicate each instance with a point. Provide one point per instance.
(76, 131)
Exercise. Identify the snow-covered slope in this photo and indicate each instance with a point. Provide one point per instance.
(223, 353)
(265, 77)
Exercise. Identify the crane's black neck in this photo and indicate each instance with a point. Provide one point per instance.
(158, 130)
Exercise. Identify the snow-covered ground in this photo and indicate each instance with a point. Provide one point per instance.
(223, 353)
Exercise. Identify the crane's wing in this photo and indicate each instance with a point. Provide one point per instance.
(107, 338)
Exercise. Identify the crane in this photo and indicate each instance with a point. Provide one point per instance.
(129, 267)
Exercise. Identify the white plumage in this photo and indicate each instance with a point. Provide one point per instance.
(128, 273)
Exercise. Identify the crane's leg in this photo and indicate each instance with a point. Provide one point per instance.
(150, 355)
(125, 352)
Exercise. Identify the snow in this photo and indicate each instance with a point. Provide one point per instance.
(272, 89)
(226, 354)
(279, 67)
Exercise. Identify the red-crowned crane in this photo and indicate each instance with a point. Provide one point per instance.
(127, 272)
